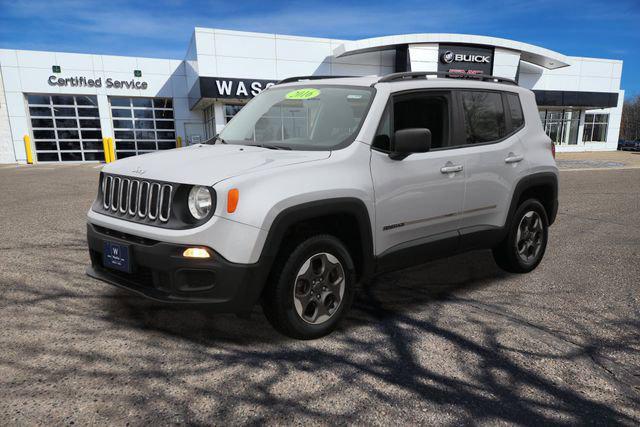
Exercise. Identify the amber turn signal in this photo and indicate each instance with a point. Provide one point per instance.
(232, 200)
(196, 253)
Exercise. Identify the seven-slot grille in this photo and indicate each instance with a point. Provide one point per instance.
(136, 198)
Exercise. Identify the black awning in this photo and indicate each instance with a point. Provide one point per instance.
(226, 88)
(564, 98)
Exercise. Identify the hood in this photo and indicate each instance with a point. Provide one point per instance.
(208, 164)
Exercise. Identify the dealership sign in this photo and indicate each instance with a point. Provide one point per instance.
(448, 57)
(221, 87)
(109, 83)
(469, 59)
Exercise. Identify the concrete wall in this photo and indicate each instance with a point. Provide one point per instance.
(239, 54)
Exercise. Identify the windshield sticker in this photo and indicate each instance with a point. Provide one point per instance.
(354, 96)
(306, 93)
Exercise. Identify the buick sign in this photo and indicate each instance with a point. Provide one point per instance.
(465, 58)
(448, 57)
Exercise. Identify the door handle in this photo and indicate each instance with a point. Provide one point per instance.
(451, 168)
(513, 158)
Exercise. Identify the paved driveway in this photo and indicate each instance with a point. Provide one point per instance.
(455, 341)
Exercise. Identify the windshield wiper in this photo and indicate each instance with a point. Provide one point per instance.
(271, 147)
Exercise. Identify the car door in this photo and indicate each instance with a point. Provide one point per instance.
(418, 199)
(494, 159)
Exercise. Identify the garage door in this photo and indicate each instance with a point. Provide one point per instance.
(141, 125)
(65, 128)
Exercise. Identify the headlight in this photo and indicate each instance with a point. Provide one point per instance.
(199, 202)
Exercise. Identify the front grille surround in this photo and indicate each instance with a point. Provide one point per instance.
(147, 201)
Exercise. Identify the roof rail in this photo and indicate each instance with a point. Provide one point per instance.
(424, 74)
(301, 78)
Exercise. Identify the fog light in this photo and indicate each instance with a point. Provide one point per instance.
(196, 253)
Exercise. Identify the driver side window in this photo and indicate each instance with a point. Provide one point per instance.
(428, 110)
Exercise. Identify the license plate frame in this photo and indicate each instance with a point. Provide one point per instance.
(116, 256)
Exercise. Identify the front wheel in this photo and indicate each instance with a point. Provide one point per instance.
(523, 248)
(312, 289)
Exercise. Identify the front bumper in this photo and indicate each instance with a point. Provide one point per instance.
(160, 272)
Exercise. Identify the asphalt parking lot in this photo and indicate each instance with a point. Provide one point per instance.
(456, 341)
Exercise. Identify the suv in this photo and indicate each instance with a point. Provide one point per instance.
(319, 184)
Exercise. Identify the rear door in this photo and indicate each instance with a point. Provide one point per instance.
(494, 158)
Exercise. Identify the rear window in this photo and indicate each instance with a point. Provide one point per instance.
(484, 116)
(515, 108)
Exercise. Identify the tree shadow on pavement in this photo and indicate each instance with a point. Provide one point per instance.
(437, 343)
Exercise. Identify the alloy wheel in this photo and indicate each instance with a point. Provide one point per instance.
(529, 237)
(319, 288)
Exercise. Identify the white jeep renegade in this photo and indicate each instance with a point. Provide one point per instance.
(319, 184)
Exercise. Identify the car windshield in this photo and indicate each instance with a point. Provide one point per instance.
(300, 118)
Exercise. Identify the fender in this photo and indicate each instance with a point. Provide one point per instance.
(316, 209)
(530, 181)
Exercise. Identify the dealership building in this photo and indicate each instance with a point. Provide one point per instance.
(62, 106)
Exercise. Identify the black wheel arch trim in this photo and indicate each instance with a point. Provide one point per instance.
(317, 209)
(531, 181)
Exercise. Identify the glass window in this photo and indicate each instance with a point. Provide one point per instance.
(67, 123)
(164, 124)
(120, 102)
(209, 122)
(144, 124)
(90, 123)
(515, 108)
(303, 118)
(68, 134)
(145, 135)
(484, 116)
(123, 124)
(44, 134)
(47, 157)
(69, 145)
(163, 103)
(91, 134)
(164, 114)
(87, 100)
(230, 111)
(64, 112)
(62, 100)
(141, 102)
(42, 123)
(88, 112)
(38, 99)
(46, 145)
(121, 112)
(561, 125)
(123, 134)
(595, 127)
(143, 114)
(133, 136)
(40, 111)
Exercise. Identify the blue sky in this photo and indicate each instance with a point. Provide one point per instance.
(162, 28)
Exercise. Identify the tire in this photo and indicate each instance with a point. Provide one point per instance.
(316, 263)
(522, 252)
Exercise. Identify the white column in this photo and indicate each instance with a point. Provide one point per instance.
(218, 109)
(423, 57)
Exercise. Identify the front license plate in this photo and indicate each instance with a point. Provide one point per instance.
(116, 256)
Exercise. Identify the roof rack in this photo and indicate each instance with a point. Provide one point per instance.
(424, 74)
(302, 78)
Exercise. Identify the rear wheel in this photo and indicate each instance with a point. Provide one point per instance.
(523, 248)
(312, 289)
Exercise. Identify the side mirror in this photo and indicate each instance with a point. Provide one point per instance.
(409, 141)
